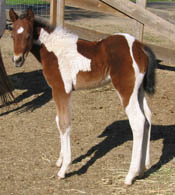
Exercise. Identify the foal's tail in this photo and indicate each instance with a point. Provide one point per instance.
(5, 85)
(149, 79)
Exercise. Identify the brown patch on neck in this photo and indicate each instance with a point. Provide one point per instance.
(139, 56)
(40, 23)
(50, 69)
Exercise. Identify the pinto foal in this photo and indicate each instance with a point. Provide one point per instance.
(70, 63)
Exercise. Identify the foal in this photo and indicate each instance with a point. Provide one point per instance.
(70, 64)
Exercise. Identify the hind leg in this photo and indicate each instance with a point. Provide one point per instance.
(63, 120)
(137, 121)
(147, 112)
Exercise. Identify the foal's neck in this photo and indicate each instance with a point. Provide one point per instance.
(36, 51)
(37, 47)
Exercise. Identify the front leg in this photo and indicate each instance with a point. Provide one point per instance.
(66, 158)
(63, 120)
(60, 159)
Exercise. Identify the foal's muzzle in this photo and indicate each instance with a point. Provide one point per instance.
(18, 60)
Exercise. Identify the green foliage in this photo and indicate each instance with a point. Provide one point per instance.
(15, 2)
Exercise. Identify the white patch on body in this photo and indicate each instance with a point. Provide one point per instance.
(20, 30)
(138, 76)
(64, 46)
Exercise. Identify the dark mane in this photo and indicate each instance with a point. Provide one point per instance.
(43, 23)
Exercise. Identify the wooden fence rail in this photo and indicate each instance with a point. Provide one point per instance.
(135, 11)
(145, 17)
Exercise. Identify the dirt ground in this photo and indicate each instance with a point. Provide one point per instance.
(101, 137)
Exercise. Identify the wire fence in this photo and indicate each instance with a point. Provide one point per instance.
(39, 7)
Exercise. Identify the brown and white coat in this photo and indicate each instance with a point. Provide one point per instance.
(70, 63)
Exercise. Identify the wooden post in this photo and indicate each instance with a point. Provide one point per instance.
(53, 12)
(158, 24)
(60, 12)
(139, 27)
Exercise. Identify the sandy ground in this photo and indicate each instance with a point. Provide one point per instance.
(101, 137)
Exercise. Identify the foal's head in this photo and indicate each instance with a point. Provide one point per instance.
(22, 35)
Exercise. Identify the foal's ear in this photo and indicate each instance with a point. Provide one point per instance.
(13, 16)
(30, 14)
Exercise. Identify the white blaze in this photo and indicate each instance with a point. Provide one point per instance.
(64, 46)
(20, 30)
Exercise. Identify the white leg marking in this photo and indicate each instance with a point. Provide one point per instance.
(137, 121)
(66, 153)
(148, 116)
(64, 46)
(60, 159)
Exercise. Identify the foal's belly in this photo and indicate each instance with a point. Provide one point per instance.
(86, 81)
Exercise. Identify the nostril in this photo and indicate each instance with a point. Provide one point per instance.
(17, 59)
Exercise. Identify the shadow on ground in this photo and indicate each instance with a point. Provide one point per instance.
(118, 133)
(32, 84)
(165, 67)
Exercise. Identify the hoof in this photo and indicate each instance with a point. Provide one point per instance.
(129, 180)
(147, 167)
(61, 175)
(128, 183)
(60, 178)
(59, 162)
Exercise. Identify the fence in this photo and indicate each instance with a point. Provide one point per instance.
(41, 8)
(54, 9)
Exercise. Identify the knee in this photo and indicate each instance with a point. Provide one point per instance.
(64, 125)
